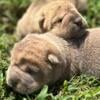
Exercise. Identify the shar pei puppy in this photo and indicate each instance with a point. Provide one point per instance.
(59, 17)
(41, 59)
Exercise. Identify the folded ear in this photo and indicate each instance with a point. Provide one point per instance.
(53, 59)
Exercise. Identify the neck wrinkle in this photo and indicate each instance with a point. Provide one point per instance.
(75, 61)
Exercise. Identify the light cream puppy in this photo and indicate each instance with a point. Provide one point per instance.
(60, 17)
(46, 58)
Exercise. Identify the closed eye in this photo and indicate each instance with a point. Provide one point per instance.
(60, 20)
(29, 69)
(27, 66)
(32, 69)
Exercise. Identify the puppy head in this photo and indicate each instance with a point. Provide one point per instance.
(72, 25)
(34, 62)
(62, 19)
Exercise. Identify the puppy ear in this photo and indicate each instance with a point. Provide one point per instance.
(53, 59)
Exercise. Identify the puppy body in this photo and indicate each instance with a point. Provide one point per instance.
(44, 59)
(60, 17)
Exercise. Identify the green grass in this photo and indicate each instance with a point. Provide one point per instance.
(78, 88)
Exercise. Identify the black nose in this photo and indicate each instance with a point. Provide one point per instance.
(81, 22)
(78, 21)
(12, 82)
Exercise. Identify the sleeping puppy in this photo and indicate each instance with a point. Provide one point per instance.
(59, 17)
(41, 59)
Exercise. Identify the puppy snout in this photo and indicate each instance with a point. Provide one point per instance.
(12, 82)
(80, 22)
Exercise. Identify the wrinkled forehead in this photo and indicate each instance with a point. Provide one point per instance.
(29, 48)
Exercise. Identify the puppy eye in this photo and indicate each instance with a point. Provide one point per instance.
(59, 20)
(28, 70)
(32, 69)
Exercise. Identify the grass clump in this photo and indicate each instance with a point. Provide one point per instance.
(93, 15)
(78, 88)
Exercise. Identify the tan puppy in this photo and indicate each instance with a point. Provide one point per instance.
(44, 59)
(60, 17)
